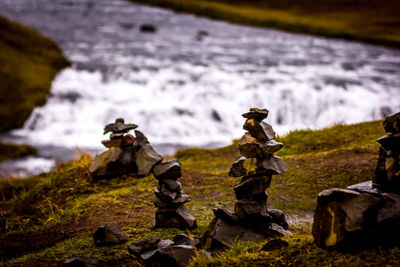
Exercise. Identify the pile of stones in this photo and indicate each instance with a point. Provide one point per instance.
(251, 220)
(153, 251)
(367, 213)
(134, 156)
(169, 198)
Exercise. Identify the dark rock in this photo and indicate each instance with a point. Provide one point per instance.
(201, 34)
(279, 218)
(182, 239)
(165, 243)
(390, 143)
(168, 170)
(107, 164)
(148, 28)
(226, 215)
(341, 214)
(276, 230)
(256, 113)
(215, 115)
(271, 147)
(119, 127)
(245, 167)
(166, 192)
(392, 124)
(128, 159)
(172, 185)
(252, 186)
(164, 201)
(179, 255)
(250, 147)
(390, 211)
(150, 258)
(146, 158)
(262, 131)
(222, 235)
(245, 208)
(80, 262)
(175, 217)
(108, 235)
(274, 244)
(140, 246)
(141, 139)
(380, 177)
(237, 169)
(366, 187)
(273, 165)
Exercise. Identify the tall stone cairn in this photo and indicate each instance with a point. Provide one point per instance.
(251, 220)
(368, 213)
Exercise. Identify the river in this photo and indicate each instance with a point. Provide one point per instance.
(187, 83)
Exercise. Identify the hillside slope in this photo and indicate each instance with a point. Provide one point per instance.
(372, 21)
(50, 218)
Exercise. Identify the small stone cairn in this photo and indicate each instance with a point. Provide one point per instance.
(129, 155)
(251, 220)
(368, 213)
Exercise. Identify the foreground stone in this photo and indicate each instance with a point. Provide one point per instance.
(80, 262)
(109, 234)
(175, 217)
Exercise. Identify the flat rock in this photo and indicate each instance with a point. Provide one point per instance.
(256, 114)
(274, 244)
(162, 201)
(146, 159)
(262, 131)
(109, 234)
(172, 185)
(165, 243)
(168, 170)
(342, 214)
(392, 123)
(366, 187)
(175, 217)
(273, 165)
(251, 186)
(119, 127)
(111, 143)
(107, 164)
(271, 147)
(80, 262)
(182, 239)
(140, 246)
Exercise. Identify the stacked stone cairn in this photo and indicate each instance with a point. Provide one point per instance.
(251, 220)
(129, 155)
(368, 213)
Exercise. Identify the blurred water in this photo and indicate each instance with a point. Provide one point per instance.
(184, 88)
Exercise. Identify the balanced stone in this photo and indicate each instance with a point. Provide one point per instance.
(243, 167)
(107, 164)
(175, 217)
(256, 113)
(273, 165)
(172, 185)
(119, 127)
(245, 207)
(168, 170)
(271, 147)
(166, 192)
(141, 139)
(392, 124)
(251, 186)
(108, 235)
(262, 131)
(111, 143)
(146, 159)
(250, 147)
(127, 140)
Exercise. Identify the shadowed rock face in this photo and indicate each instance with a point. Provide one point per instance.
(108, 235)
(368, 213)
(251, 221)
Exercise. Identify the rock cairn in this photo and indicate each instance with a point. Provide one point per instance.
(251, 220)
(368, 213)
(133, 155)
(169, 198)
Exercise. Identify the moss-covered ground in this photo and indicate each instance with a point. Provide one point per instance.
(373, 21)
(46, 219)
(28, 63)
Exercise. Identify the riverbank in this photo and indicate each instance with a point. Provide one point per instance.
(28, 63)
(50, 218)
(373, 21)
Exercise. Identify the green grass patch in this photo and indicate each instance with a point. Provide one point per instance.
(373, 21)
(10, 151)
(28, 63)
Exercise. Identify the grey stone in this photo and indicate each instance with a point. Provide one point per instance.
(168, 170)
(279, 218)
(109, 234)
(107, 164)
(166, 192)
(392, 123)
(262, 131)
(366, 187)
(164, 201)
(257, 114)
(226, 215)
(250, 147)
(182, 239)
(175, 217)
(271, 147)
(141, 139)
(165, 243)
(251, 186)
(146, 158)
(173, 185)
(80, 262)
(245, 208)
(273, 165)
(390, 210)
(276, 230)
(119, 127)
(140, 246)
(237, 169)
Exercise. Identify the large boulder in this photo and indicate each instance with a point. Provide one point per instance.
(343, 217)
(175, 217)
(109, 234)
(146, 159)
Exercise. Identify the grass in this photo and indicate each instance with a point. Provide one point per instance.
(372, 21)
(45, 220)
(28, 63)
(9, 151)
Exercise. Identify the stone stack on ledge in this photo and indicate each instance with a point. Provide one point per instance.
(134, 156)
(251, 220)
(368, 213)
